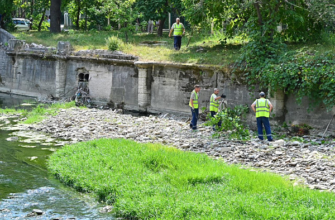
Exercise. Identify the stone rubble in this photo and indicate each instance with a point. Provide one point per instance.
(310, 163)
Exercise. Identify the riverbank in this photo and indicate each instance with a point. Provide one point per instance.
(150, 181)
(308, 162)
(27, 190)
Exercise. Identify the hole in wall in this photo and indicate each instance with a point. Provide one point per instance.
(82, 78)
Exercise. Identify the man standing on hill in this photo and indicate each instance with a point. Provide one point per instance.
(194, 104)
(263, 110)
(178, 31)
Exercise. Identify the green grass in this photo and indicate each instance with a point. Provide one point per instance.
(215, 53)
(150, 181)
(38, 113)
(11, 111)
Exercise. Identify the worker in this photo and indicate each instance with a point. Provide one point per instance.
(178, 31)
(263, 107)
(194, 104)
(214, 105)
(150, 26)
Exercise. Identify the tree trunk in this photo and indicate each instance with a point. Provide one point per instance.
(160, 28)
(78, 15)
(41, 21)
(259, 15)
(85, 17)
(55, 14)
(32, 8)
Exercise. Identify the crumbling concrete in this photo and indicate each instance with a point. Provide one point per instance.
(119, 79)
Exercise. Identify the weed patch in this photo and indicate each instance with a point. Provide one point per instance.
(150, 181)
(38, 113)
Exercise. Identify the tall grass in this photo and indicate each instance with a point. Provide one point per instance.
(150, 181)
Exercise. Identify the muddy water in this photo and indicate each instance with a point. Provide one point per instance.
(25, 183)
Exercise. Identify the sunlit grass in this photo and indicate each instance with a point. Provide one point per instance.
(213, 53)
(150, 181)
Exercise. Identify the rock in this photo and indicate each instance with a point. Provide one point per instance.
(38, 211)
(106, 209)
(225, 149)
(294, 143)
(278, 143)
(278, 152)
(4, 210)
(332, 182)
(32, 214)
(293, 164)
(12, 139)
(66, 125)
(186, 145)
(33, 158)
(320, 187)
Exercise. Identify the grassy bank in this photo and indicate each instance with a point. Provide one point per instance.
(214, 53)
(150, 181)
(38, 113)
(202, 49)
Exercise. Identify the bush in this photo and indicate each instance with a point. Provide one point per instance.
(114, 43)
(231, 121)
(150, 181)
(44, 27)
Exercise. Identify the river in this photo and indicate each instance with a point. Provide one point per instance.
(25, 183)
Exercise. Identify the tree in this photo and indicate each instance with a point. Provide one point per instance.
(40, 7)
(55, 14)
(158, 10)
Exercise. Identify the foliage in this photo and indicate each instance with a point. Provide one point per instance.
(301, 129)
(41, 112)
(114, 43)
(158, 10)
(231, 122)
(149, 181)
(303, 73)
(44, 26)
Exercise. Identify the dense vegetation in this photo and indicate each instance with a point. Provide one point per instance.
(150, 181)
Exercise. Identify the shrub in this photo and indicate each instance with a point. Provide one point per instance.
(114, 43)
(230, 121)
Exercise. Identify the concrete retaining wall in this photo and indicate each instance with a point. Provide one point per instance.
(116, 78)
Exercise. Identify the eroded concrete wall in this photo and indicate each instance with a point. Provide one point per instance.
(301, 114)
(147, 86)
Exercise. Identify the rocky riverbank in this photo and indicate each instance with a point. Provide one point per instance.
(311, 163)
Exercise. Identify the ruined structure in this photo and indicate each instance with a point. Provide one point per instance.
(116, 78)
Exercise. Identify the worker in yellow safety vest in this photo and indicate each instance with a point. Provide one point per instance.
(194, 105)
(178, 30)
(263, 107)
(214, 105)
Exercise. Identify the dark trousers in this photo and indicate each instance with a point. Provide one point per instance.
(195, 115)
(177, 42)
(264, 121)
(219, 124)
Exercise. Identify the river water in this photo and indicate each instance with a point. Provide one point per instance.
(25, 183)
